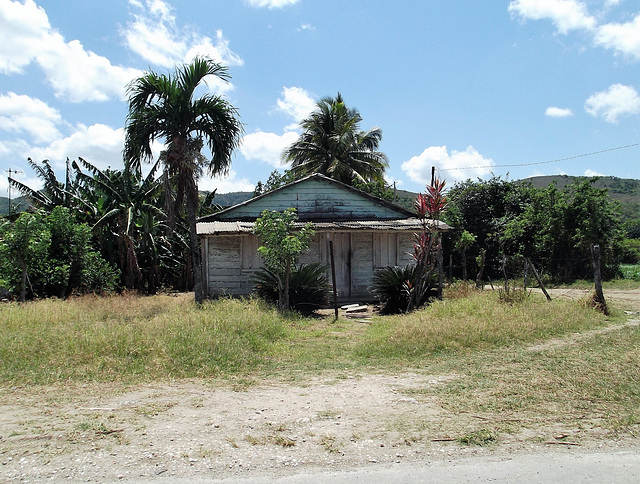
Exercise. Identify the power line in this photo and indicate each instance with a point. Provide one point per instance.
(542, 162)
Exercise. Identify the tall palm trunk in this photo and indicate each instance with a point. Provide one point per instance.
(194, 245)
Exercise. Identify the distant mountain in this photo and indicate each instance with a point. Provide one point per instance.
(625, 190)
(19, 204)
(231, 198)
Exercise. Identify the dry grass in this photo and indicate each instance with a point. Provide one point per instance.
(133, 338)
(476, 322)
(471, 334)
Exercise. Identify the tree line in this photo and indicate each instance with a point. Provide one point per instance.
(554, 227)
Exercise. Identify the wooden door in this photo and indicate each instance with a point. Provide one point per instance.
(342, 256)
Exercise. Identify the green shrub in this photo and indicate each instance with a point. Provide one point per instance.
(393, 287)
(98, 275)
(630, 251)
(630, 271)
(50, 255)
(308, 287)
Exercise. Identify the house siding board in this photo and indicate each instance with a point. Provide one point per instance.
(404, 249)
(315, 200)
(232, 260)
(361, 264)
(224, 262)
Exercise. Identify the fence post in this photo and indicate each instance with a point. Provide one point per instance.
(535, 274)
(504, 273)
(440, 268)
(597, 276)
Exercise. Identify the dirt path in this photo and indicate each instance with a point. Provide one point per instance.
(206, 429)
(628, 299)
(192, 429)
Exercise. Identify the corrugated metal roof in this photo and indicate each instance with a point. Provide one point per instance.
(409, 224)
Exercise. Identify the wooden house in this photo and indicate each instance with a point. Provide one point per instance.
(368, 233)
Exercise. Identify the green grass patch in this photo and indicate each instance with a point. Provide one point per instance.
(134, 338)
(130, 338)
(630, 272)
(596, 378)
(630, 279)
(501, 377)
(476, 322)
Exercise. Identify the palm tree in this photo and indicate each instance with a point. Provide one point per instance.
(164, 107)
(333, 145)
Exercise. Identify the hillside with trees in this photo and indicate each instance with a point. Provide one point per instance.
(624, 190)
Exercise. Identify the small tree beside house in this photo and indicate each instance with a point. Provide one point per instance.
(281, 244)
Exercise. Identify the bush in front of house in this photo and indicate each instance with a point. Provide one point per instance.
(393, 286)
(308, 288)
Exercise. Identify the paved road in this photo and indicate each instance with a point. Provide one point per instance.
(565, 468)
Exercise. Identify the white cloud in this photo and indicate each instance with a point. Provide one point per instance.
(23, 114)
(566, 15)
(591, 172)
(457, 166)
(297, 103)
(74, 73)
(617, 101)
(555, 112)
(12, 150)
(304, 27)
(231, 183)
(24, 27)
(622, 38)
(155, 36)
(99, 144)
(152, 36)
(271, 3)
(218, 51)
(267, 147)
(79, 75)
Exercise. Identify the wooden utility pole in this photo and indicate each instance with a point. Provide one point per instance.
(597, 277)
(440, 268)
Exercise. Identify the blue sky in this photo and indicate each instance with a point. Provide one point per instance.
(471, 87)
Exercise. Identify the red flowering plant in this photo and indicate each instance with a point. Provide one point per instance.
(429, 206)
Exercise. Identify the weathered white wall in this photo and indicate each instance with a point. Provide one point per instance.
(232, 259)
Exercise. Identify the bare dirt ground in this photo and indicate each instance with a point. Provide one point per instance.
(208, 429)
